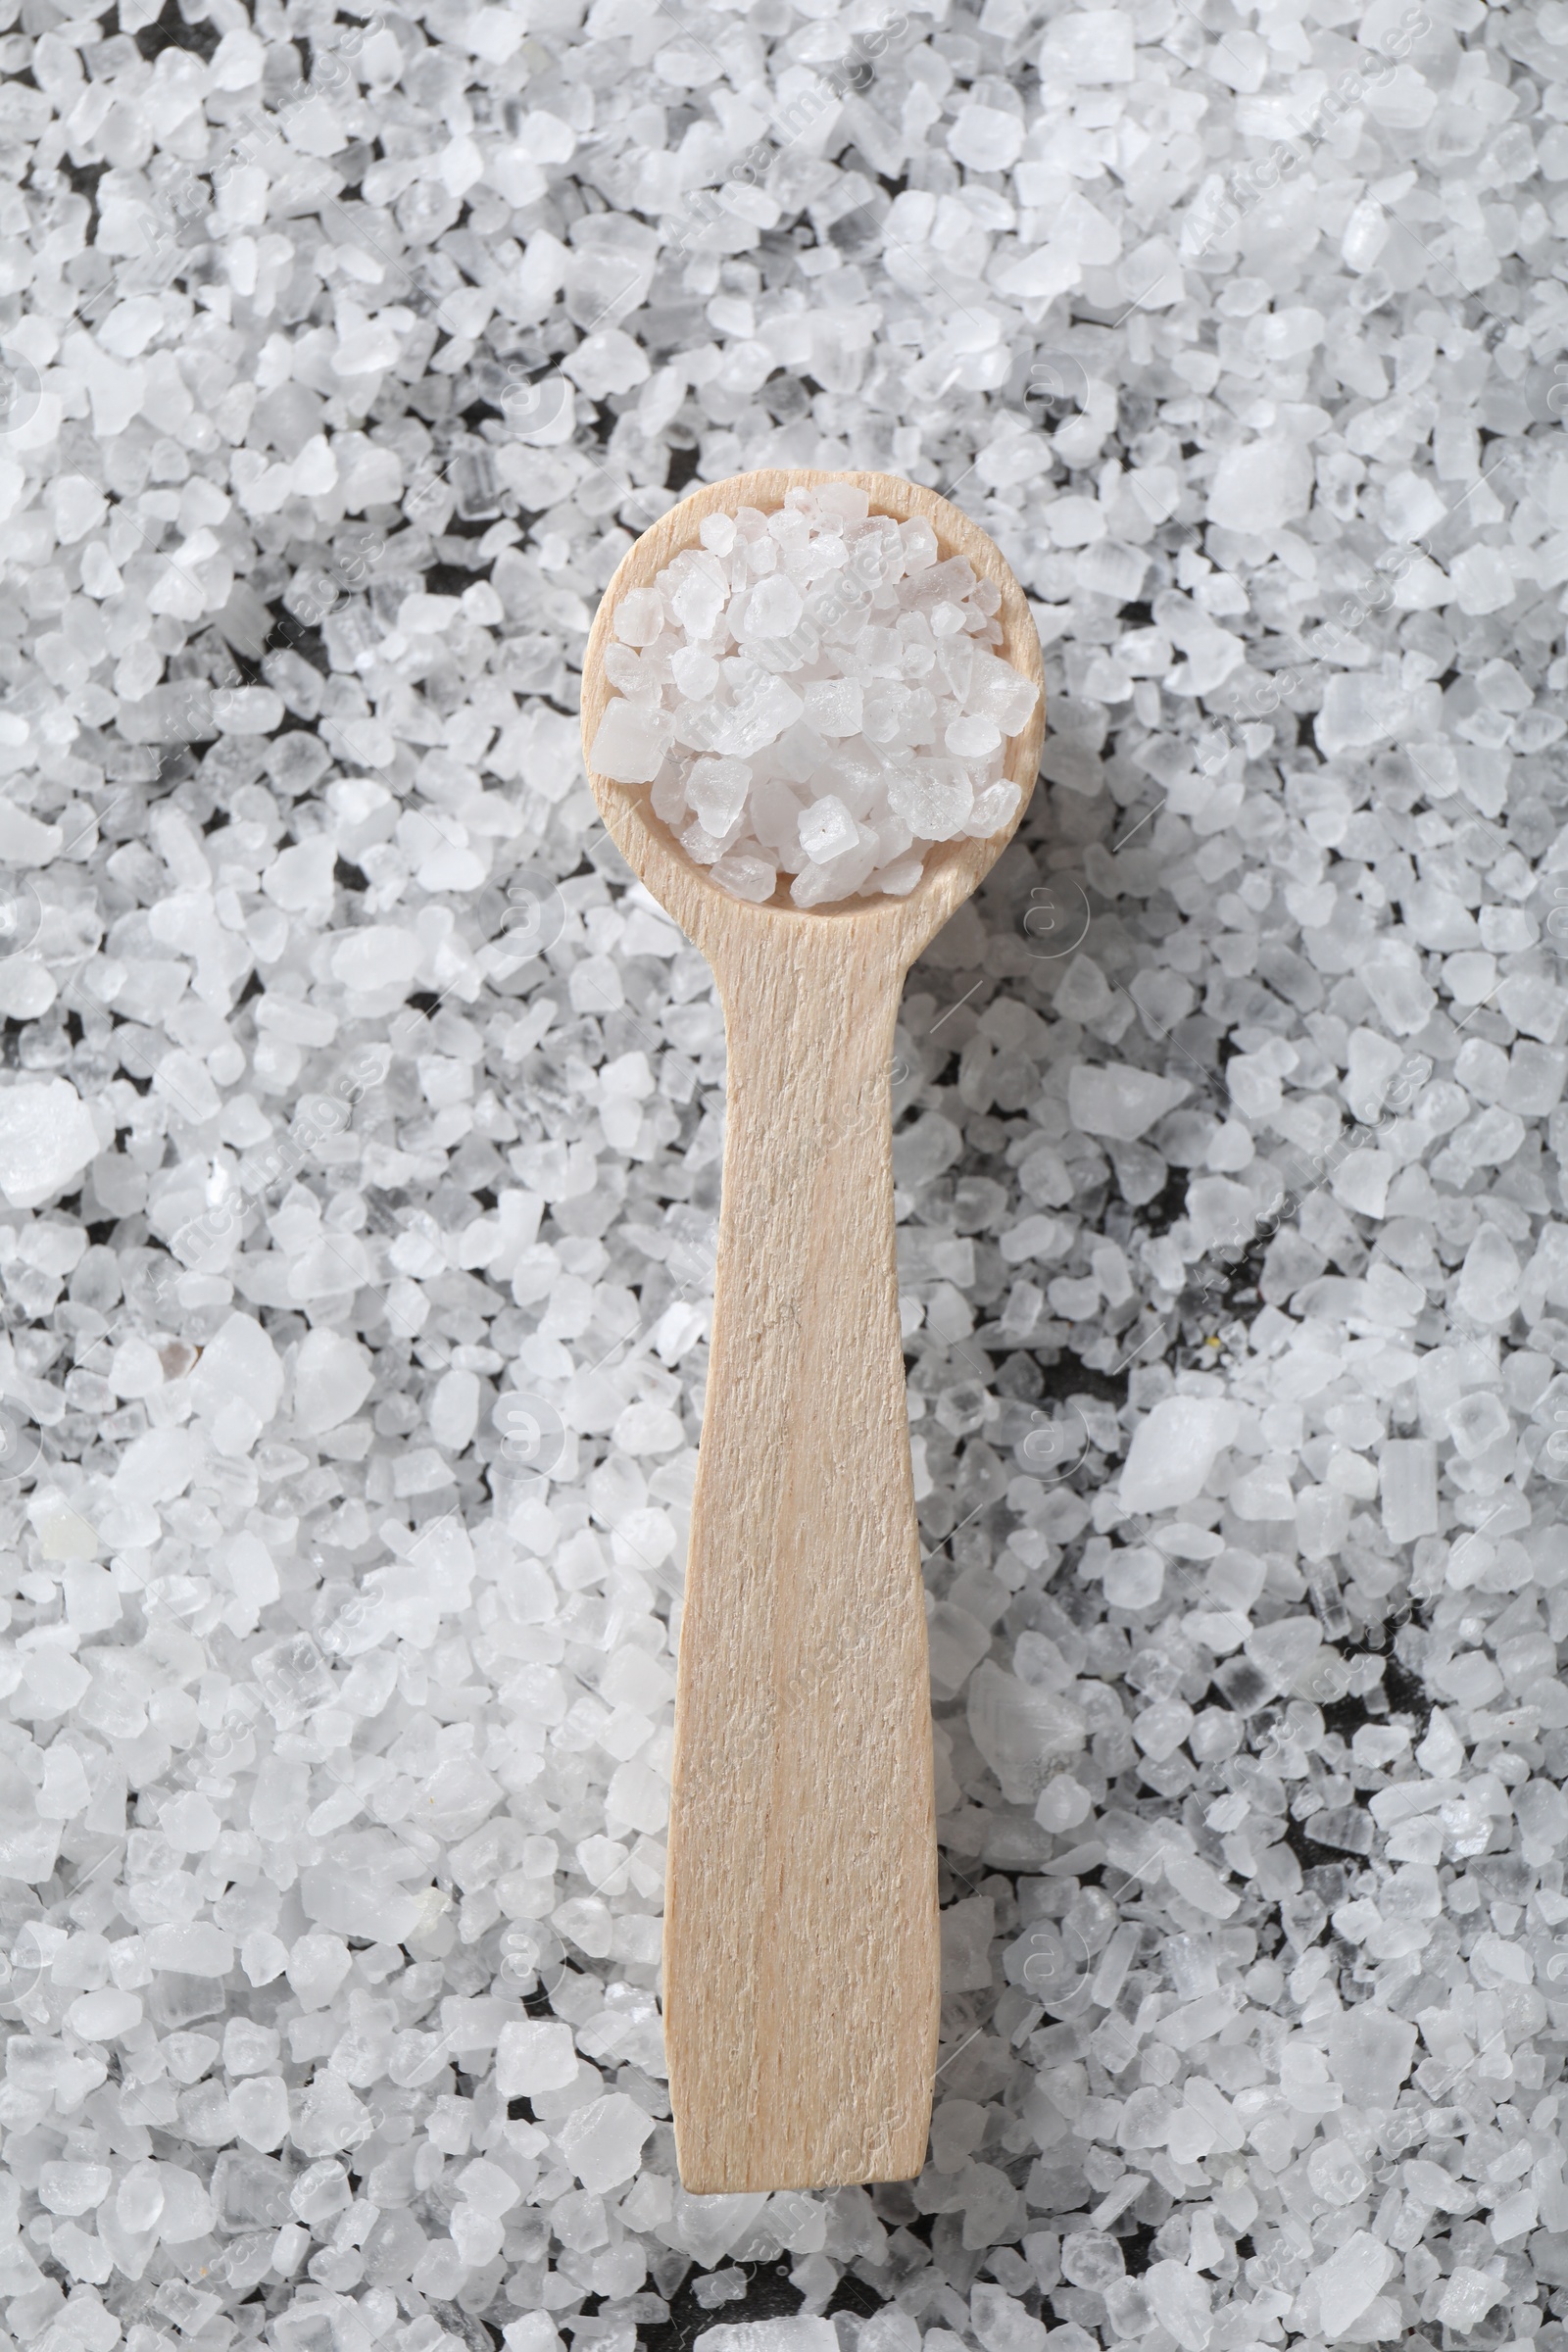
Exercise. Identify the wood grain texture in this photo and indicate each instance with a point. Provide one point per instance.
(801, 1947)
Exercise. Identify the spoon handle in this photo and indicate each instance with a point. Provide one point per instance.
(801, 1945)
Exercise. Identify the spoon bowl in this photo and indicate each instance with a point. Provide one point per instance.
(802, 1959)
(952, 869)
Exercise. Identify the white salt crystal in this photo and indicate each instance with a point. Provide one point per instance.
(382, 957)
(24, 841)
(194, 1948)
(105, 2015)
(317, 1967)
(639, 616)
(799, 2333)
(1180, 2301)
(238, 1366)
(134, 1369)
(1120, 1102)
(47, 1137)
(1482, 579)
(716, 790)
(454, 1412)
(141, 2197)
(630, 741)
(1369, 2054)
(997, 692)
(986, 138)
(1489, 1280)
(695, 673)
(746, 875)
(1133, 1580)
(696, 603)
(1442, 1750)
(833, 706)
(773, 607)
(1541, 1812)
(73, 2188)
(258, 2110)
(1345, 2284)
(1476, 1422)
(1173, 1450)
(1020, 1732)
(1090, 47)
(936, 805)
(1409, 1485)
(827, 829)
(1112, 568)
(1001, 2323)
(973, 737)
(1063, 1803)
(536, 2056)
(1261, 485)
(1359, 708)
(603, 2141)
(991, 813)
(1467, 2296)
(332, 1377)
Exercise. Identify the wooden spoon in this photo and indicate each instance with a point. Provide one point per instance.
(801, 1947)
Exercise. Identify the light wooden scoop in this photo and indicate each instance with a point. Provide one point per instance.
(800, 1949)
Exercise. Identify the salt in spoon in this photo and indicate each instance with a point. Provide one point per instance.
(800, 1971)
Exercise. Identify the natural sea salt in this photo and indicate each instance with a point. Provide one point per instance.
(815, 693)
(362, 1135)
